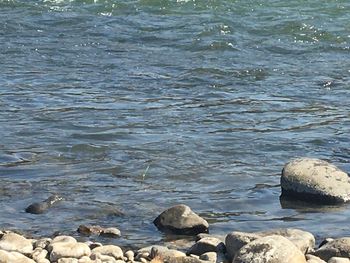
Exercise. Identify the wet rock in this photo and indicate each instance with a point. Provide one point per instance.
(315, 180)
(14, 242)
(339, 260)
(14, 257)
(180, 219)
(89, 230)
(110, 232)
(269, 249)
(109, 250)
(69, 250)
(339, 247)
(209, 256)
(207, 244)
(42, 207)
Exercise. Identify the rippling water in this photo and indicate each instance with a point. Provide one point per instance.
(209, 98)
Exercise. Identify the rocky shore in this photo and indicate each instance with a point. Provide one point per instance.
(308, 179)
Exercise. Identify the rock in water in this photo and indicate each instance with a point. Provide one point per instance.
(269, 249)
(39, 208)
(180, 219)
(315, 180)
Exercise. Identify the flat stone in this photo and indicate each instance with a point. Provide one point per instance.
(315, 180)
(269, 249)
(14, 257)
(338, 260)
(14, 242)
(109, 250)
(339, 247)
(162, 252)
(207, 244)
(180, 219)
(69, 250)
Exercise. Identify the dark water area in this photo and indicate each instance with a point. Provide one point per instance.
(135, 106)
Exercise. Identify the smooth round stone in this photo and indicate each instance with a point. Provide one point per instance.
(339, 247)
(207, 244)
(315, 180)
(12, 257)
(69, 250)
(180, 219)
(109, 250)
(111, 232)
(68, 260)
(235, 240)
(130, 255)
(269, 249)
(14, 242)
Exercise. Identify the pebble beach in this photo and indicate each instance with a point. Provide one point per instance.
(303, 178)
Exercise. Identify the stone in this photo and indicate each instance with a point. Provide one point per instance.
(110, 232)
(338, 260)
(67, 260)
(89, 230)
(180, 219)
(142, 254)
(313, 259)
(209, 256)
(43, 260)
(39, 253)
(315, 180)
(65, 239)
(207, 244)
(184, 260)
(42, 242)
(14, 257)
(269, 249)
(143, 260)
(339, 247)
(69, 250)
(42, 207)
(303, 240)
(109, 250)
(14, 242)
(234, 241)
(86, 259)
(130, 255)
(162, 252)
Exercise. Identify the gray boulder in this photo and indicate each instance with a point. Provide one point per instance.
(315, 180)
(339, 247)
(180, 219)
(270, 249)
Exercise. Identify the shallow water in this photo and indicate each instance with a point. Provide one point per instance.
(213, 97)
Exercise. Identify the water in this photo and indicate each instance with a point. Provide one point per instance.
(213, 96)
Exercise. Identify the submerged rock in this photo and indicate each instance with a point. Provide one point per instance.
(315, 180)
(180, 219)
(339, 247)
(41, 207)
(269, 249)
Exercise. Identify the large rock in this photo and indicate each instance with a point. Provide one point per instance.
(180, 219)
(270, 249)
(69, 250)
(303, 240)
(315, 180)
(335, 248)
(14, 242)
